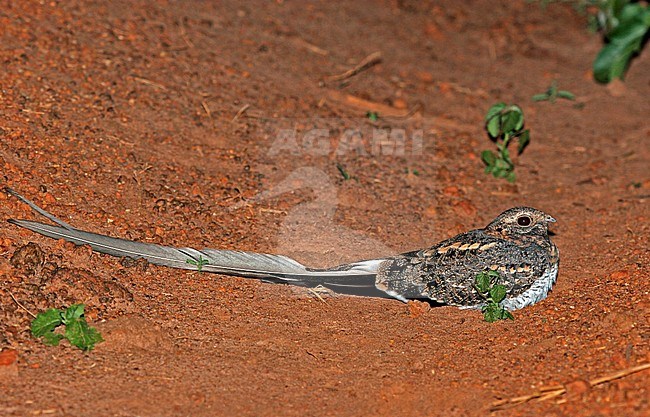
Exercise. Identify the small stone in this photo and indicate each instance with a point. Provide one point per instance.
(576, 389)
(451, 191)
(399, 103)
(8, 357)
(431, 212)
(8, 364)
(619, 276)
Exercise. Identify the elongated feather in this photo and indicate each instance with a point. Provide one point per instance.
(357, 278)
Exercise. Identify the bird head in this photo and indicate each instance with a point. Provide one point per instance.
(520, 221)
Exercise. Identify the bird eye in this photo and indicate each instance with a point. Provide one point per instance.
(524, 221)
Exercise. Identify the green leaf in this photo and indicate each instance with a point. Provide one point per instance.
(498, 293)
(493, 120)
(46, 322)
(494, 111)
(482, 282)
(73, 312)
(524, 139)
(342, 171)
(493, 126)
(81, 335)
(500, 164)
(624, 41)
(512, 120)
(508, 122)
(541, 97)
(511, 176)
(491, 312)
(52, 339)
(566, 94)
(489, 158)
(199, 264)
(493, 275)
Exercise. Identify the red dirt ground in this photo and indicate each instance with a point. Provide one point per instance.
(156, 121)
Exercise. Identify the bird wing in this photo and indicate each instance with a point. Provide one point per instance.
(446, 272)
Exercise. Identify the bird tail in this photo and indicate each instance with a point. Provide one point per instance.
(356, 278)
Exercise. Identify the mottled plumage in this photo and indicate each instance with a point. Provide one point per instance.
(516, 244)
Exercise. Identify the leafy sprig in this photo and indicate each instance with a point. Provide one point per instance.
(344, 173)
(77, 331)
(486, 284)
(503, 124)
(198, 263)
(552, 94)
(625, 25)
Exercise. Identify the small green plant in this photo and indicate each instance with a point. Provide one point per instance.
(372, 115)
(486, 285)
(504, 123)
(552, 94)
(345, 174)
(199, 264)
(77, 331)
(624, 24)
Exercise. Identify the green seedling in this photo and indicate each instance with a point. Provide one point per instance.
(77, 331)
(504, 123)
(486, 285)
(552, 94)
(199, 264)
(372, 115)
(625, 24)
(346, 176)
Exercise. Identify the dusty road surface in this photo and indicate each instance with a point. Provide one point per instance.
(227, 125)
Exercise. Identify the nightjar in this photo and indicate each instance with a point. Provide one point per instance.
(516, 244)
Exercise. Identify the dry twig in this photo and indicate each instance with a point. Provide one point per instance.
(318, 290)
(364, 105)
(184, 36)
(240, 112)
(310, 47)
(20, 305)
(149, 82)
(316, 294)
(546, 393)
(368, 62)
(204, 104)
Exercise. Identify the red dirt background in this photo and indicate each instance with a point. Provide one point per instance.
(154, 121)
